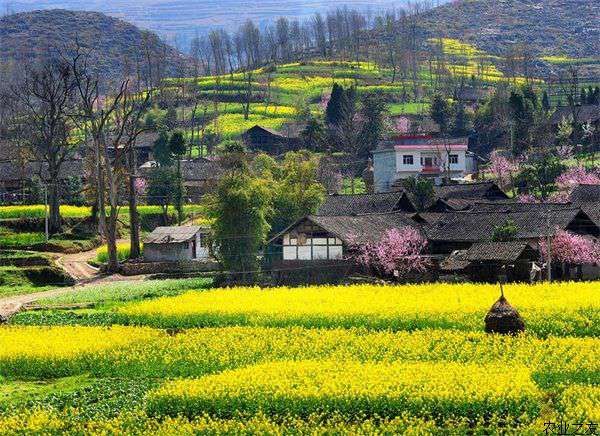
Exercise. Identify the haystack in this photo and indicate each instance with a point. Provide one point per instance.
(504, 319)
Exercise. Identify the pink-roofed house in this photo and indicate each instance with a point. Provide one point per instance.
(420, 155)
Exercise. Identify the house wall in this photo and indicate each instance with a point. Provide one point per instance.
(388, 165)
(384, 169)
(177, 252)
(308, 242)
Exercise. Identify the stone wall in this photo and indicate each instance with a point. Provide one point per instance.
(139, 268)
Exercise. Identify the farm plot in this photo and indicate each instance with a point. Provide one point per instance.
(318, 360)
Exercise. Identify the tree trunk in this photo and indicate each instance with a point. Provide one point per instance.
(134, 218)
(111, 241)
(54, 221)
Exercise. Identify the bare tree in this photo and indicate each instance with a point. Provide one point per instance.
(44, 100)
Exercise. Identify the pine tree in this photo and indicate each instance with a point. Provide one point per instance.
(335, 106)
(161, 150)
(546, 102)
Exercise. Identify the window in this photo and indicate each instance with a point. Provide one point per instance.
(453, 158)
(407, 159)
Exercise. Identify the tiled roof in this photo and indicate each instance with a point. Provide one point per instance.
(588, 198)
(361, 229)
(11, 171)
(585, 113)
(479, 226)
(585, 194)
(479, 190)
(365, 204)
(500, 251)
(172, 235)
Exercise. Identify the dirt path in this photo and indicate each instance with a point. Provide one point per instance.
(76, 265)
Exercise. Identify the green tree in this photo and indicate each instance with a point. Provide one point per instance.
(373, 112)
(462, 124)
(546, 102)
(240, 208)
(441, 112)
(296, 191)
(161, 149)
(313, 134)
(177, 148)
(541, 173)
(420, 190)
(335, 106)
(162, 188)
(507, 231)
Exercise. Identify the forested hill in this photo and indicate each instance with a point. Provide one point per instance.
(547, 27)
(118, 46)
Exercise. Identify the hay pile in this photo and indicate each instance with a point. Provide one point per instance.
(504, 319)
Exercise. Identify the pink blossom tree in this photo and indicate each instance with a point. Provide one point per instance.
(527, 198)
(572, 249)
(576, 176)
(503, 170)
(399, 250)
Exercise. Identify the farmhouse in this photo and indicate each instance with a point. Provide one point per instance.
(272, 141)
(176, 244)
(316, 238)
(420, 155)
(588, 198)
(200, 176)
(357, 204)
(587, 113)
(488, 261)
(452, 231)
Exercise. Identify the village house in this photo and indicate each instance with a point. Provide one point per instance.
(588, 198)
(200, 176)
(271, 141)
(452, 231)
(177, 244)
(360, 204)
(423, 156)
(511, 261)
(315, 238)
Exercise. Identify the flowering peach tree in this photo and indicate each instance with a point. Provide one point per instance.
(398, 252)
(572, 249)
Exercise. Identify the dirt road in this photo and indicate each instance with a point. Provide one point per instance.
(76, 265)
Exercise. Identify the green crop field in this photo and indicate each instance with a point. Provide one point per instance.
(177, 357)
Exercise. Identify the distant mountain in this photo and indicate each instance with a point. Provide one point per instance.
(547, 27)
(118, 46)
(180, 20)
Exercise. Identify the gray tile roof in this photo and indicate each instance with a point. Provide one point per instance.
(172, 235)
(588, 198)
(361, 229)
(479, 190)
(479, 226)
(337, 205)
(584, 114)
(500, 251)
(11, 171)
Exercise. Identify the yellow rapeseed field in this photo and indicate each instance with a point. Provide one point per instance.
(435, 390)
(561, 308)
(55, 351)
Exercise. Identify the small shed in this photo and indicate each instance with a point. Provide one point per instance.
(177, 244)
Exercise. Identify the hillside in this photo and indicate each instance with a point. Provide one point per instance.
(184, 18)
(558, 28)
(118, 46)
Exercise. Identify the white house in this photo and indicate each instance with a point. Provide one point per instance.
(420, 155)
(177, 244)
